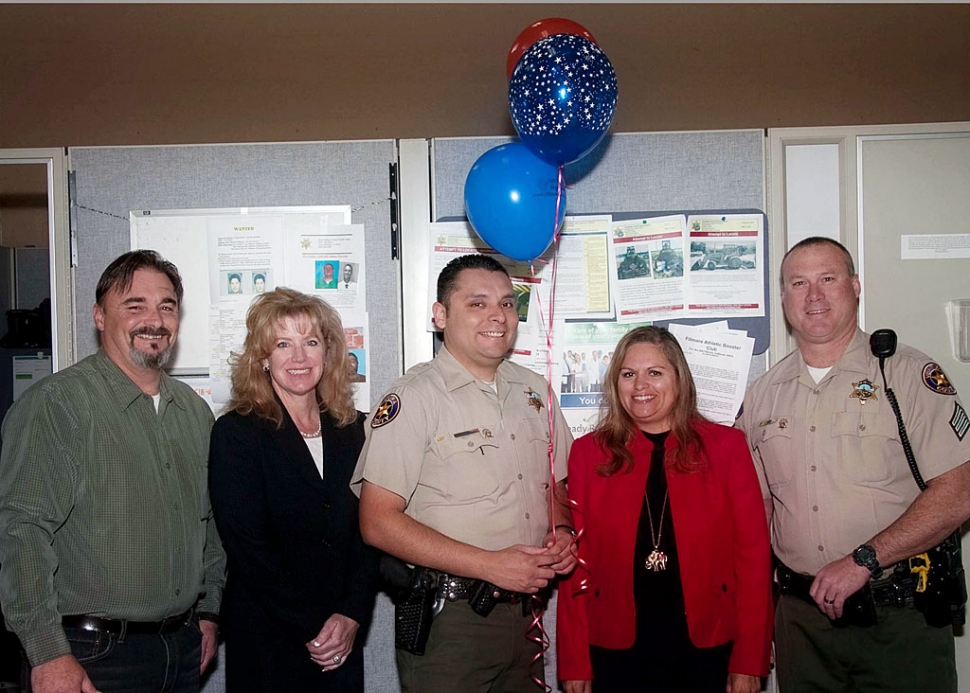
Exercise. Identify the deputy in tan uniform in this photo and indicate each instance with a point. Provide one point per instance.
(843, 504)
(455, 476)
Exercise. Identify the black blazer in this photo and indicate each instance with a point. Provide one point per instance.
(295, 554)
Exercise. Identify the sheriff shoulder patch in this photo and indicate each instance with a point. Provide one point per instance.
(959, 422)
(935, 379)
(386, 411)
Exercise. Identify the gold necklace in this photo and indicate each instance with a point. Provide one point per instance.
(657, 560)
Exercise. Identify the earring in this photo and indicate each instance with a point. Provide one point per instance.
(265, 368)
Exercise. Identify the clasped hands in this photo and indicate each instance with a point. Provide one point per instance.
(528, 569)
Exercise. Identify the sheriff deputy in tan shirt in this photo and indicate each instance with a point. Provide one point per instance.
(455, 476)
(843, 504)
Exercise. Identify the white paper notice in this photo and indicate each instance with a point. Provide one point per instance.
(245, 255)
(227, 332)
(329, 262)
(719, 362)
(583, 286)
(726, 277)
(949, 246)
(649, 256)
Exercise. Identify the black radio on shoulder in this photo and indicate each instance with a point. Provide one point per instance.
(941, 584)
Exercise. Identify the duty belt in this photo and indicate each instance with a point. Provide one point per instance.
(454, 588)
(896, 590)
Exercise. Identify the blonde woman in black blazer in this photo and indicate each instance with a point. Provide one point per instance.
(301, 582)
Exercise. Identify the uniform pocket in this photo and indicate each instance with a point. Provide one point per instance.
(866, 440)
(774, 447)
(461, 471)
(536, 433)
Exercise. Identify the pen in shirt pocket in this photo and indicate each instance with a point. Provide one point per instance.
(469, 432)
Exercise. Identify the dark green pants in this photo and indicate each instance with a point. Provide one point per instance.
(899, 653)
(468, 653)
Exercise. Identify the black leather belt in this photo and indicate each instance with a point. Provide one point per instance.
(895, 590)
(117, 627)
(454, 588)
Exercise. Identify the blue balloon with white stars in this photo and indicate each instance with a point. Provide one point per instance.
(562, 97)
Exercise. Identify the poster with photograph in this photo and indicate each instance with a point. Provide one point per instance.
(726, 265)
(649, 255)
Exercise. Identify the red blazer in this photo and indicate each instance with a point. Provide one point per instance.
(722, 543)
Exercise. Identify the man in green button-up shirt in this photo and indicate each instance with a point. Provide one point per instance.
(104, 505)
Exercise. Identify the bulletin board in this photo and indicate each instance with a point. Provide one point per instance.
(111, 182)
(639, 175)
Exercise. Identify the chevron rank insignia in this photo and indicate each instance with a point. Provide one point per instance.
(959, 422)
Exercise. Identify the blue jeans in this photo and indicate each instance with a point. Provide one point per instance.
(138, 663)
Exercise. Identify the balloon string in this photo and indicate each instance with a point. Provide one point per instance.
(548, 326)
(542, 638)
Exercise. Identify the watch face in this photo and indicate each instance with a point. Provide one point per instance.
(865, 556)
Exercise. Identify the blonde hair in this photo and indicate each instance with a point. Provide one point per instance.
(252, 389)
(616, 429)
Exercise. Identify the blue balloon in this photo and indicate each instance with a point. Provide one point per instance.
(510, 199)
(562, 97)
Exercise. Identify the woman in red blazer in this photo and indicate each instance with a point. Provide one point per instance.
(675, 590)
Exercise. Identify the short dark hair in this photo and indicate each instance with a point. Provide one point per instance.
(813, 241)
(448, 279)
(118, 275)
(236, 276)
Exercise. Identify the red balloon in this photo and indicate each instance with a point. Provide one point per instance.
(539, 30)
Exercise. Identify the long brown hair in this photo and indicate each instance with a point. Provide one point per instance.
(616, 429)
(252, 389)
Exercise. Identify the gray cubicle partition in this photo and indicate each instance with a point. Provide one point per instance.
(112, 181)
(630, 172)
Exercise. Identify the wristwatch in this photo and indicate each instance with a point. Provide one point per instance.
(865, 556)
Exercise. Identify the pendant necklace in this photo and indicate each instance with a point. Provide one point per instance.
(657, 560)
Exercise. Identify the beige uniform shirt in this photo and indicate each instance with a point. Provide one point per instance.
(471, 464)
(830, 456)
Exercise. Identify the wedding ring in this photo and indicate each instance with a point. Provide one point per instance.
(829, 601)
(336, 659)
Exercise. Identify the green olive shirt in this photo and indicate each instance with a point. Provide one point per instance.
(104, 505)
